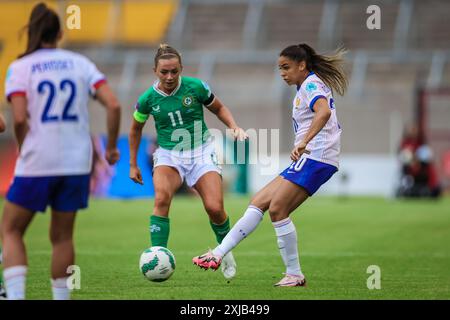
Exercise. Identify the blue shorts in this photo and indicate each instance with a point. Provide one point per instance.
(62, 193)
(309, 174)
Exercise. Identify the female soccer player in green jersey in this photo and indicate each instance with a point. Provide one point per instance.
(186, 150)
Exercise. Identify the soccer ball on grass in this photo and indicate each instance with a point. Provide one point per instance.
(157, 263)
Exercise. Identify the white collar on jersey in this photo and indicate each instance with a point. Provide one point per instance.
(155, 86)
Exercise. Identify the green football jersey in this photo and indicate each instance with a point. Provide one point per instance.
(178, 116)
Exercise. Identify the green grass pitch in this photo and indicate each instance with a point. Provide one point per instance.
(338, 240)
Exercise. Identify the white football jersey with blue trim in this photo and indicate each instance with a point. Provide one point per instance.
(56, 84)
(325, 146)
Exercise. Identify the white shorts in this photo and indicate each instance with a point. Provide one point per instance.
(192, 164)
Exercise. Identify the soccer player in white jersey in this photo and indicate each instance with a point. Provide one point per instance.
(315, 157)
(48, 89)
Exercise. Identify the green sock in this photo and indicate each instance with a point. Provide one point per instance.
(221, 230)
(159, 230)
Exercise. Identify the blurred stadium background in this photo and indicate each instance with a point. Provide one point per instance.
(397, 74)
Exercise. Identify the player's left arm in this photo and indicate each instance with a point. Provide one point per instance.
(224, 115)
(20, 117)
(108, 99)
(322, 114)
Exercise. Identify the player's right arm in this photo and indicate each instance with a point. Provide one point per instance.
(140, 116)
(100, 89)
(134, 139)
(107, 98)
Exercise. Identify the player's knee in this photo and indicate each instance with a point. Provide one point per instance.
(277, 212)
(60, 236)
(10, 230)
(260, 202)
(10, 234)
(215, 211)
(162, 199)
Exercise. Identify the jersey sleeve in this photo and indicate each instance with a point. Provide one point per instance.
(313, 91)
(95, 78)
(205, 94)
(141, 112)
(16, 81)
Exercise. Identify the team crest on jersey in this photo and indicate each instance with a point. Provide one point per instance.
(297, 102)
(187, 101)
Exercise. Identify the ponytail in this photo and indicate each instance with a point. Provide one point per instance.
(43, 27)
(329, 68)
(166, 52)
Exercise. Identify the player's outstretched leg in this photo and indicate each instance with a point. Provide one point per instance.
(243, 227)
(240, 231)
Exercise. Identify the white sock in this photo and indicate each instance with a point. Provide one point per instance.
(241, 229)
(287, 243)
(60, 289)
(14, 278)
